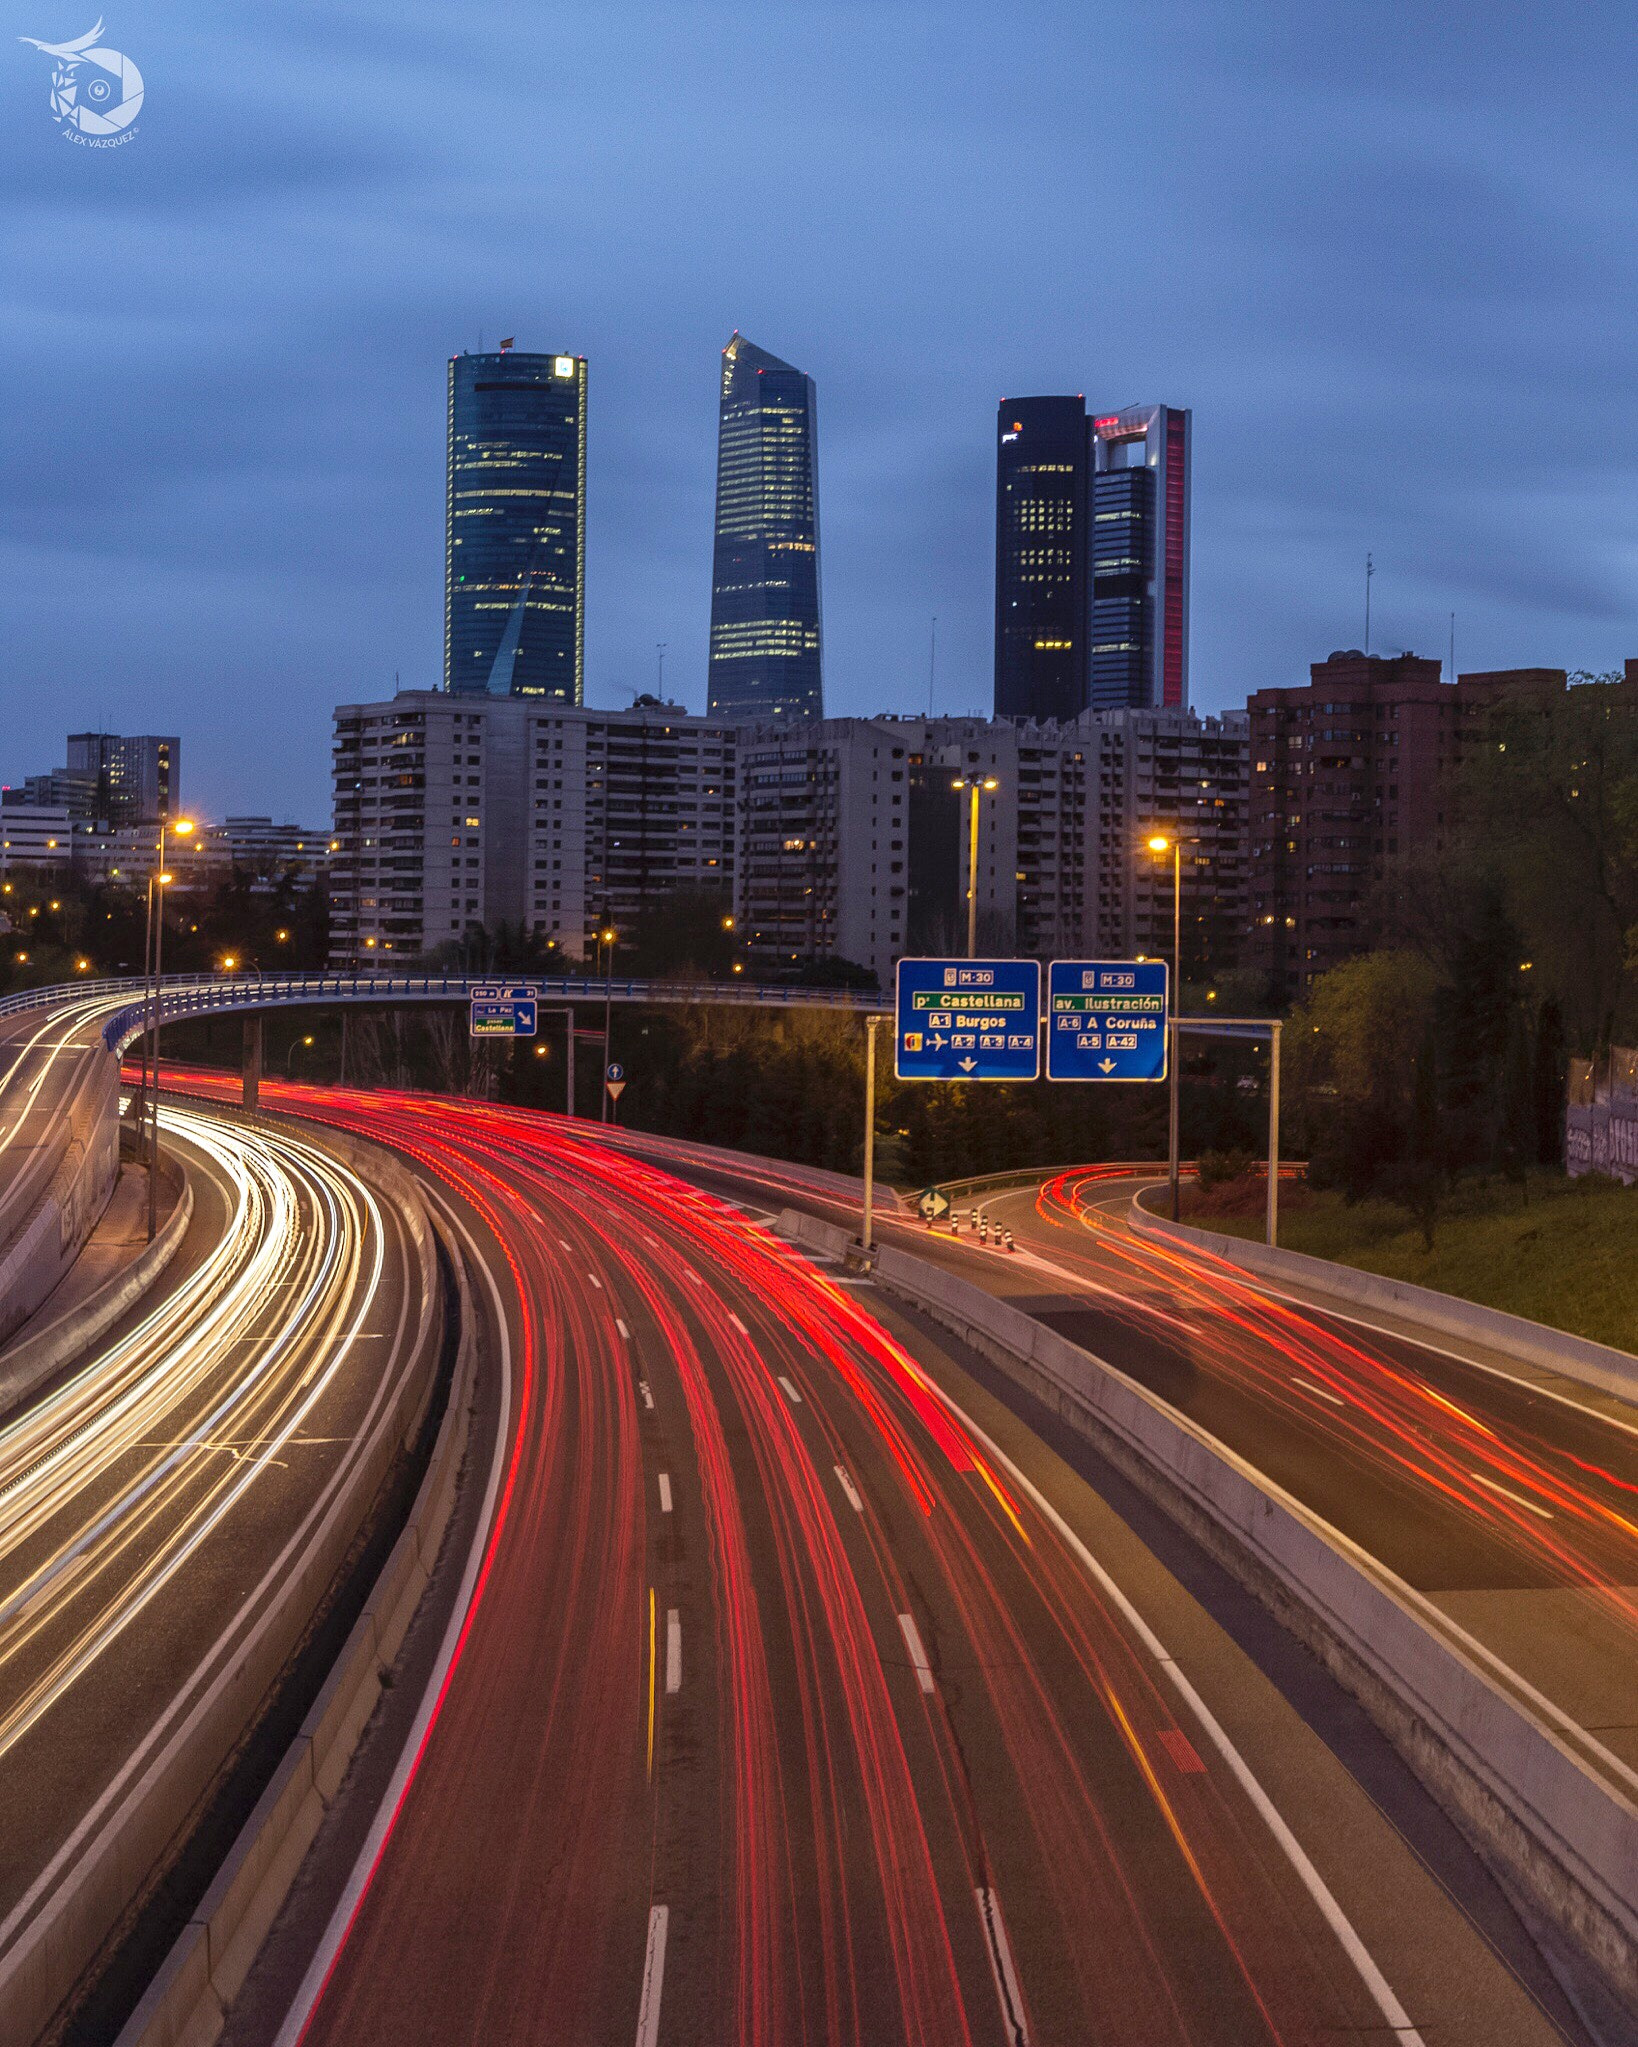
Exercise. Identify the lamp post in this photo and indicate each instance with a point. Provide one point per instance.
(976, 784)
(289, 1057)
(182, 827)
(605, 940)
(1172, 843)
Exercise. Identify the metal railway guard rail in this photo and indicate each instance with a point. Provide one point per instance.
(202, 994)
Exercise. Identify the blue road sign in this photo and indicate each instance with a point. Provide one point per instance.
(616, 1072)
(1106, 1020)
(968, 1020)
(504, 1012)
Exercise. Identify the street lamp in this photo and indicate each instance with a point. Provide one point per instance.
(977, 784)
(605, 940)
(289, 1057)
(155, 946)
(1173, 843)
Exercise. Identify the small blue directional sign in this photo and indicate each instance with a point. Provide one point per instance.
(1106, 1020)
(968, 1020)
(503, 1012)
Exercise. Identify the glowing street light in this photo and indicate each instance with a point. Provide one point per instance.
(978, 785)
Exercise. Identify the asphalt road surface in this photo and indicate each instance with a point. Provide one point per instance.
(791, 1692)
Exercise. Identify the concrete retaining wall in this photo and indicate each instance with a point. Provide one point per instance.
(59, 1197)
(188, 2000)
(138, 1824)
(1567, 1837)
(1573, 1357)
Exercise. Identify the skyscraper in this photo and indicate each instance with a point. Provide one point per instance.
(1040, 558)
(515, 526)
(765, 630)
(1091, 558)
(1139, 650)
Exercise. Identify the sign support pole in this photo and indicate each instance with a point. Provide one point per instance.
(568, 1060)
(1176, 1045)
(1273, 1135)
(870, 1128)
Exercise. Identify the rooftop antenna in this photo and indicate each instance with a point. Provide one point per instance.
(1369, 573)
(932, 663)
(659, 687)
(1453, 646)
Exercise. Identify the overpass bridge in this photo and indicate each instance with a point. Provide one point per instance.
(60, 1049)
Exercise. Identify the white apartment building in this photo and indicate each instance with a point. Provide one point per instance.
(458, 810)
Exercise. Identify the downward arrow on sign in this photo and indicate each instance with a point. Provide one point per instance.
(967, 1065)
(1106, 1065)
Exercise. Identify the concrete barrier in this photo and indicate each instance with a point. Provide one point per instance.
(189, 1998)
(139, 1823)
(58, 1197)
(1572, 1357)
(28, 1366)
(1566, 1835)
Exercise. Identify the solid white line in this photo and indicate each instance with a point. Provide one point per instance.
(642, 1388)
(791, 1393)
(851, 1490)
(1341, 1926)
(648, 2011)
(318, 1969)
(1319, 1392)
(918, 1655)
(1507, 1493)
(624, 1331)
(1001, 1968)
(673, 1650)
(665, 1493)
(740, 1326)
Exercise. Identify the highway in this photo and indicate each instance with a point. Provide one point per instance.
(150, 1498)
(793, 1693)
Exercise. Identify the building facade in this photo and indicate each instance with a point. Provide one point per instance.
(1353, 776)
(1091, 558)
(453, 812)
(515, 526)
(766, 656)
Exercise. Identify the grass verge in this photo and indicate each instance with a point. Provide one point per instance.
(1567, 1256)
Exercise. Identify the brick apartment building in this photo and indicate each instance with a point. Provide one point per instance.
(1349, 776)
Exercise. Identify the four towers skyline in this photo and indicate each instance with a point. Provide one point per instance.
(1091, 554)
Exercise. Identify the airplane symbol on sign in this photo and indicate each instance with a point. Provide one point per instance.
(937, 1040)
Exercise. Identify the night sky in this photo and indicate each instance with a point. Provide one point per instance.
(1386, 252)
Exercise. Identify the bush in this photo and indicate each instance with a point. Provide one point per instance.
(1217, 1168)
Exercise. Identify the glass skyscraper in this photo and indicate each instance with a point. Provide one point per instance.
(515, 526)
(1091, 558)
(765, 630)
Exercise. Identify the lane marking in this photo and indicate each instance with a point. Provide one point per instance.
(665, 1492)
(642, 1388)
(673, 1650)
(653, 1666)
(791, 1393)
(624, 1331)
(693, 1275)
(1381, 1991)
(565, 1243)
(918, 1655)
(1006, 1976)
(1319, 1392)
(850, 1489)
(648, 2011)
(1507, 1493)
(596, 1282)
(740, 1326)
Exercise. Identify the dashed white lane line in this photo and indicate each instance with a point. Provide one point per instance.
(740, 1326)
(648, 2011)
(642, 1388)
(624, 1331)
(596, 1282)
(850, 1489)
(1001, 1967)
(673, 1650)
(1507, 1493)
(665, 1492)
(918, 1655)
(1318, 1392)
(791, 1393)
(565, 1243)
(693, 1275)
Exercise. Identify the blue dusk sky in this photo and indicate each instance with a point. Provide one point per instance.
(1385, 252)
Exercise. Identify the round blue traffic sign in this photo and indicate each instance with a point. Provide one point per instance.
(616, 1072)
